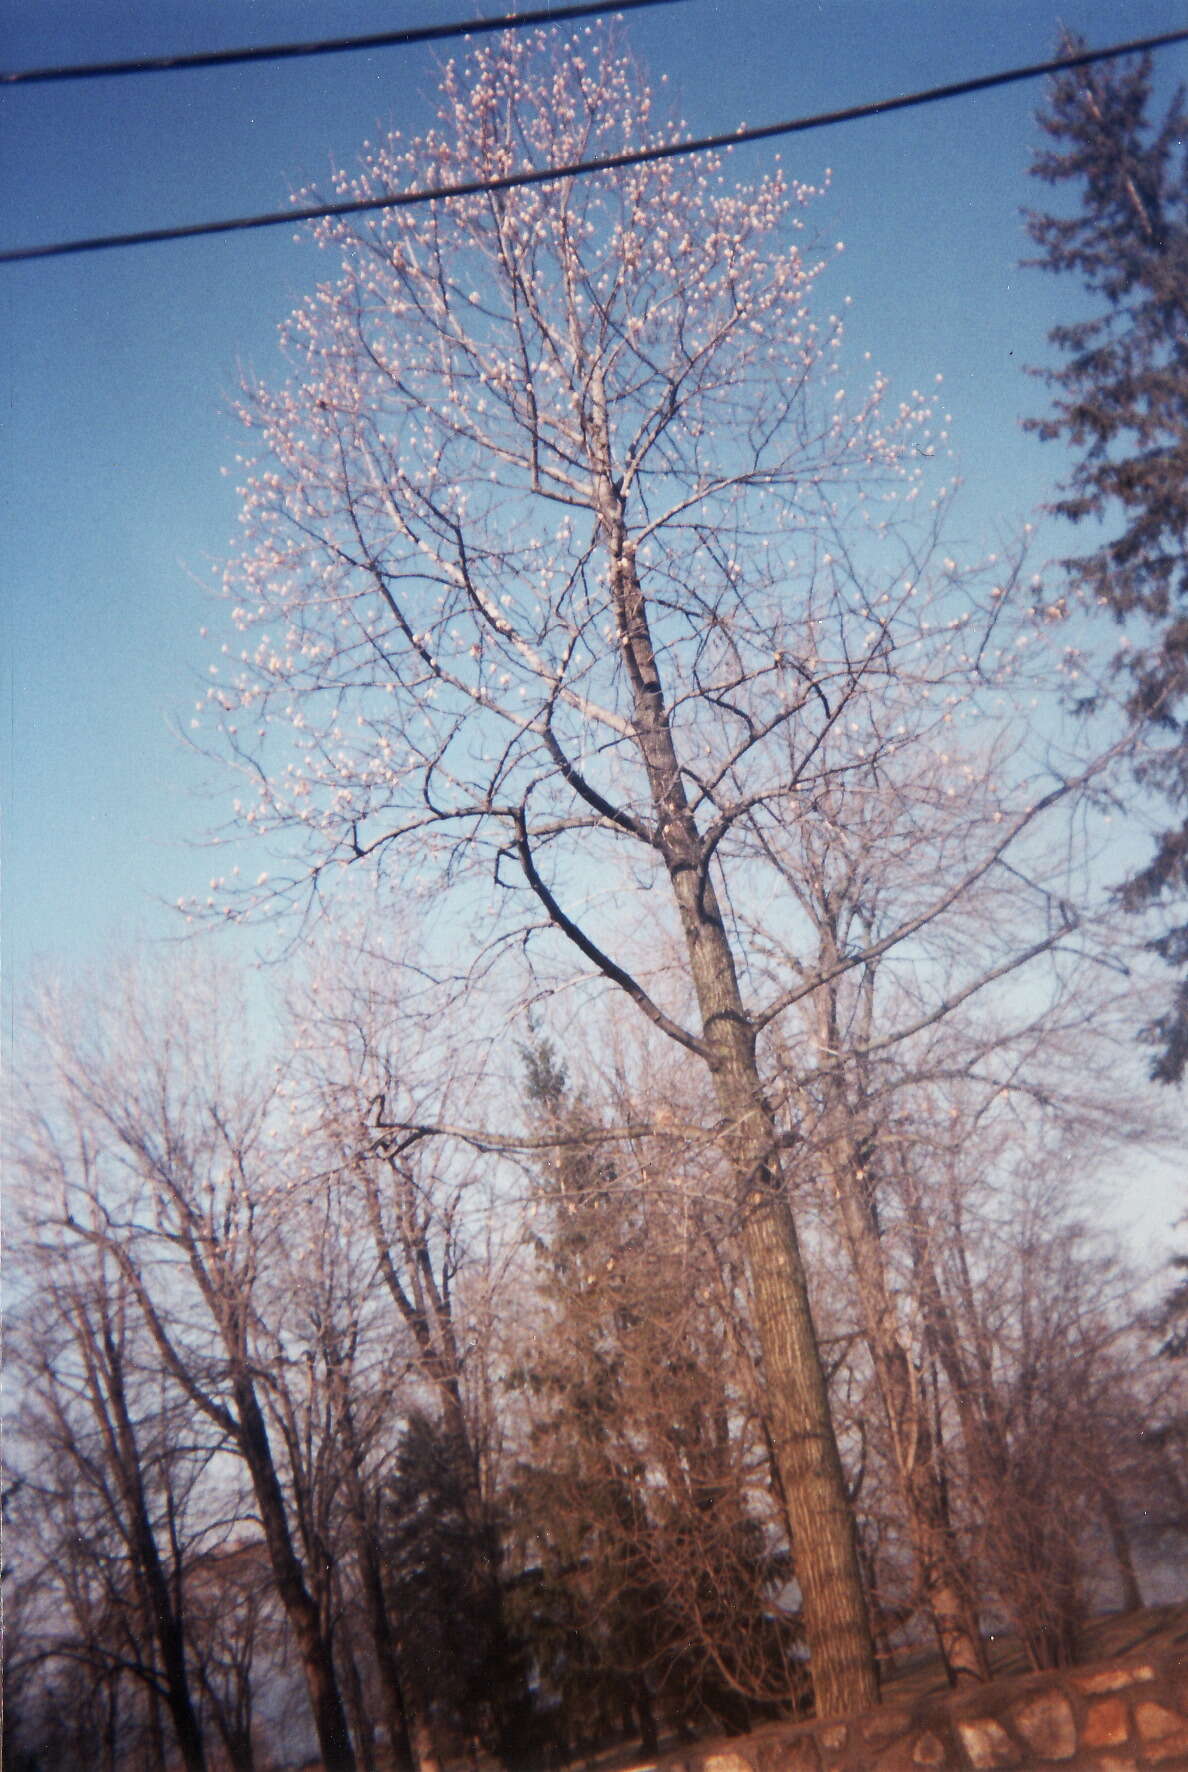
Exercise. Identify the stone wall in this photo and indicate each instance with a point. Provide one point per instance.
(1118, 1716)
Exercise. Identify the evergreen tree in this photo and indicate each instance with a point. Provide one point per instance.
(658, 1575)
(429, 1556)
(1121, 402)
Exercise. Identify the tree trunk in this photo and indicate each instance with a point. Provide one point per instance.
(395, 1705)
(836, 1623)
(313, 1649)
(238, 1745)
(355, 1700)
(375, 1601)
(649, 1738)
(168, 1634)
(1038, 1575)
(1132, 1593)
(156, 1733)
(942, 1577)
(111, 1724)
(881, 1620)
(825, 1556)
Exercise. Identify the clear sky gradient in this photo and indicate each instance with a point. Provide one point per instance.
(118, 367)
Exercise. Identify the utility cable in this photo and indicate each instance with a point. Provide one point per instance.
(272, 52)
(607, 163)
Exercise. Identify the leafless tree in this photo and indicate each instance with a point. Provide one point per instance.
(1037, 1334)
(113, 1462)
(155, 1142)
(340, 1421)
(234, 1623)
(566, 554)
(413, 1210)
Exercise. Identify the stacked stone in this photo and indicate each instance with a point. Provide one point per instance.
(1123, 1716)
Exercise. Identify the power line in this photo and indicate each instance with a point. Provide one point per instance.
(609, 162)
(222, 58)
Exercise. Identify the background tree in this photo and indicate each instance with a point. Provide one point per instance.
(1033, 1329)
(582, 1481)
(417, 1203)
(1119, 398)
(117, 1467)
(156, 1145)
(633, 1526)
(337, 1396)
(234, 1626)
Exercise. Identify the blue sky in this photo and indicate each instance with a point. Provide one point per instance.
(119, 366)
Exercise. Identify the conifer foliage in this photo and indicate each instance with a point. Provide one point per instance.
(1120, 398)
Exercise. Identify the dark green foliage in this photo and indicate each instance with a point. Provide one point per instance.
(444, 1582)
(655, 1585)
(1120, 400)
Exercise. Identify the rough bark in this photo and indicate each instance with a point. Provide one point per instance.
(836, 1625)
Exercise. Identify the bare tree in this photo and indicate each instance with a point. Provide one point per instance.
(934, 937)
(567, 553)
(234, 1622)
(413, 1210)
(341, 1420)
(113, 1463)
(156, 1141)
(1035, 1330)
(83, 1671)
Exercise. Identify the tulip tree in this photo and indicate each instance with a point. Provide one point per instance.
(565, 551)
